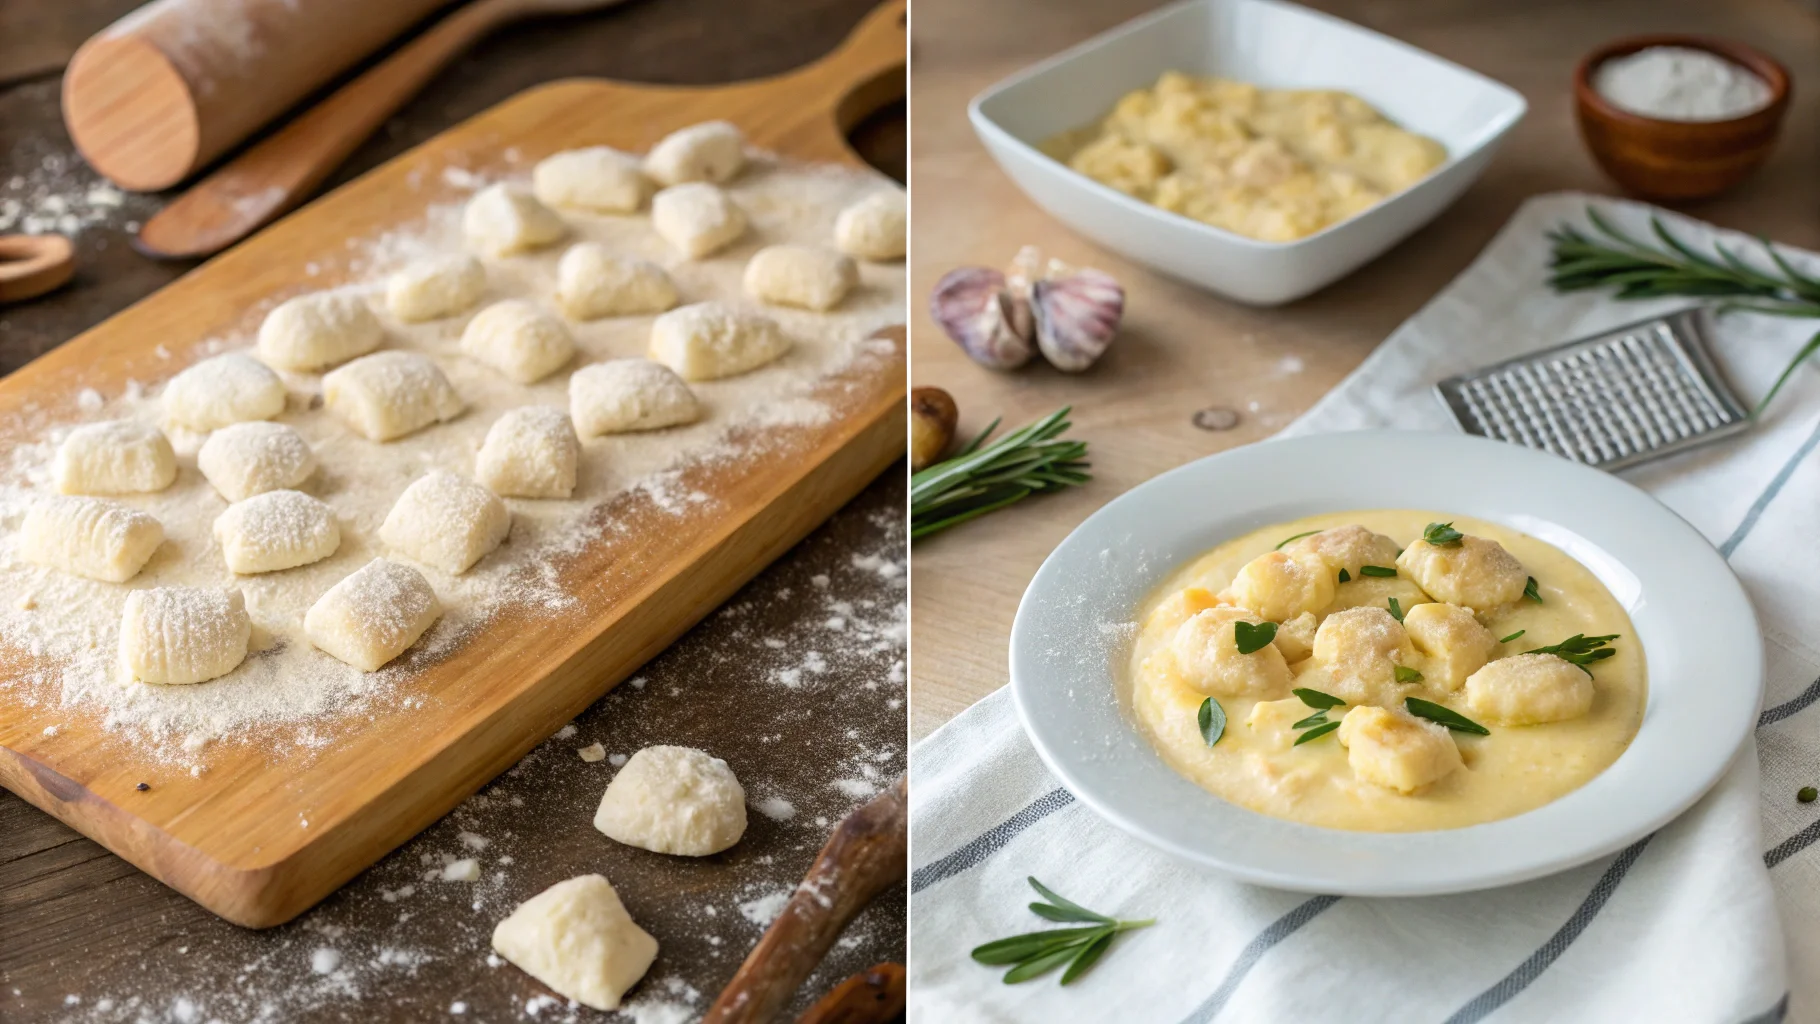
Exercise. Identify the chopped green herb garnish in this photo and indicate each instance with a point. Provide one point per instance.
(1315, 733)
(1396, 610)
(1443, 715)
(1442, 535)
(1530, 591)
(1807, 794)
(1318, 718)
(1037, 953)
(1513, 636)
(1345, 577)
(1250, 638)
(1580, 649)
(1407, 675)
(1384, 571)
(1298, 536)
(1212, 719)
(1317, 699)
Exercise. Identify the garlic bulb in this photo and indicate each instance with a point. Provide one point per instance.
(991, 324)
(1002, 319)
(1076, 313)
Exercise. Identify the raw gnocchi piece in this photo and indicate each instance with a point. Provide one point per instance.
(875, 227)
(676, 800)
(1476, 573)
(1347, 547)
(1280, 586)
(622, 395)
(226, 389)
(311, 332)
(1359, 650)
(372, 616)
(710, 340)
(390, 394)
(577, 938)
(1179, 607)
(1207, 656)
(433, 288)
(800, 275)
(711, 151)
(599, 179)
(1452, 643)
(502, 221)
(92, 537)
(252, 458)
(276, 530)
(519, 340)
(697, 219)
(177, 635)
(115, 457)
(1529, 689)
(530, 453)
(1396, 750)
(1376, 592)
(1295, 638)
(591, 283)
(446, 521)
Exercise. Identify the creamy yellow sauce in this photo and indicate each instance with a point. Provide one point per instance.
(1270, 164)
(1514, 769)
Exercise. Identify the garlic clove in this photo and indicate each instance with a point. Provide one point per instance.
(1076, 314)
(974, 307)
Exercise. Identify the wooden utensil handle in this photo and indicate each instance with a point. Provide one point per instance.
(873, 996)
(867, 70)
(865, 855)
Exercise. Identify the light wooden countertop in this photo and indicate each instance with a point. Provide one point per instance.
(1181, 350)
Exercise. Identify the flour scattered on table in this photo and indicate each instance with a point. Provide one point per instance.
(763, 910)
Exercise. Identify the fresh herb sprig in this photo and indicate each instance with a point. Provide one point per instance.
(1380, 571)
(1441, 535)
(1317, 724)
(1405, 674)
(1581, 650)
(984, 477)
(1513, 636)
(1250, 638)
(1443, 715)
(1212, 721)
(1396, 609)
(1533, 590)
(1345, 576)
(1034, 954)
(1295, 537)
(1610, 258)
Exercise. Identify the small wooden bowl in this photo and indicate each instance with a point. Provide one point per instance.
(1679, 160)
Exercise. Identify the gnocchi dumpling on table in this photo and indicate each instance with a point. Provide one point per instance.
(875, 227)
(502, 220)
(446, 521)
(800, 275)
(592, 282)
(623, 395)
(1397, 750)
(222, 390)
(577, 938)
(115, 457)
(1347, 547)
(373, 615)
(390, 394)
(316, 331)
(598, 179)
(531, 452)
(1358, 652)
(276, 530)
(251, 458)
(675, 800)
(697, 219)
(1280, 586)
(1207, 657)
(1529, 689)
(713, 151)
(1474, 573)
(1452, 643)
(711, 339)
(180, 635)
(519, 340)
(91, 537)
(432, 288)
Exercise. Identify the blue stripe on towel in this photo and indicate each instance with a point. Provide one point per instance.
(1769, 494)
(990, 842)
(1278, 930)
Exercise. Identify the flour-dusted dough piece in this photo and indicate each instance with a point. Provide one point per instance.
(1396, 750)
(1529, 689)
(502, 220)
(1359, 649)
(875, 227)
(1295, 637)
(599, 179)
(623, 395)
(115, 457)
(390, 394)
(519, 340)
(311, 332)
(577, 938)
(446, 521)
(800, 275)
(1280, 586)
(674, 800)
(591, 282)
(432, 288)
(698, 219)
(92, 537)
(1451, 641)
(370, 617)
(530, 452)
(231, 388)
(710, 340)
(711, 151)
(252, 458)
(276, 530)
(177, 635)
(1207, 656)
(1476, 573)
(1347, 547)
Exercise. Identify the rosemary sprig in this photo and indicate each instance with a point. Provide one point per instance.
(1635, 269)
(984, 477)
(1034, 954)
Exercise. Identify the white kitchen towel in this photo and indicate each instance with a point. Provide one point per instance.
(1715, 918)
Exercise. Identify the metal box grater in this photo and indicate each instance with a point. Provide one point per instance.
(1634, 393)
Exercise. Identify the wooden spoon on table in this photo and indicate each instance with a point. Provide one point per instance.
(31, 265)
(281, 170)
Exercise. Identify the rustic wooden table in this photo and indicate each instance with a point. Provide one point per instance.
(1181, 350)
(84, 936)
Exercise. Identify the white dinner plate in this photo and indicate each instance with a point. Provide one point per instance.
(1074, 629)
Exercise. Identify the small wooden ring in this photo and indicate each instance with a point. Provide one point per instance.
(31, 265)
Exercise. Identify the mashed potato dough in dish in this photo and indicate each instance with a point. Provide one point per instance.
(1386, 671)
(1270, 164)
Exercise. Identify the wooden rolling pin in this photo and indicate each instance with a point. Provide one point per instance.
(165, 90)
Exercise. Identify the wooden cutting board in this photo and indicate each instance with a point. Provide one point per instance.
(230, 839)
